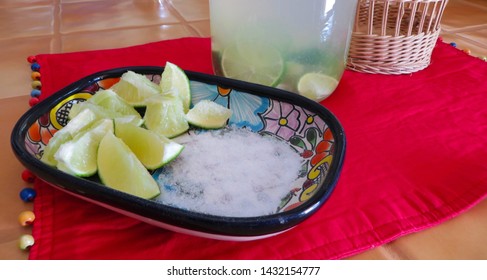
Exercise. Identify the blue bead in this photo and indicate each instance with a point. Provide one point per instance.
(35, 93)
(35, 66)
(27, 194)
(453, 44)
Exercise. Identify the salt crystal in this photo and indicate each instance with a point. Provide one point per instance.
(232, 172)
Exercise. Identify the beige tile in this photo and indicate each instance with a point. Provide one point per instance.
(461, 15)
(11, 205)
(26, 21)
(14, 67)
(123, 37)
(113, 14)
(202, 27)
(439, 242)
(478, 3)
(25, 3)
(464, 43)
(479, 36)
(191, 10)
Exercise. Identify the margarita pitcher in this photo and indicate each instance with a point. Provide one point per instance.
(296, 45)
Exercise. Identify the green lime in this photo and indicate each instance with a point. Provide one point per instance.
(165, 115)
(151, 149)
(104, 113)
(84, 119)
(174, 81)
(119, 168)
(208, 114)
(78, 156)
(135, 88)
(112, 102)
(316, 86)
(262, 64)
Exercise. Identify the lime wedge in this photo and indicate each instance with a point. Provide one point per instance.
(108, 104)
(135, 88)
(104, 113)
(119, 168)
(165, 115)
(78, 156)
(208, 114)
(151, 149)
(174, 81)
(112, 102)
(316, 86)
(52, 147)
(261, 64)
(84, 119)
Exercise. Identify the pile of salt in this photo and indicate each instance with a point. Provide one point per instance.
(233, 172)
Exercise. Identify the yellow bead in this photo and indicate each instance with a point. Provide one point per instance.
(36, 84)
(26, 218)
(26, 241)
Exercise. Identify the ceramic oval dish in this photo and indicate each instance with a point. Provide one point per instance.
(305, 125)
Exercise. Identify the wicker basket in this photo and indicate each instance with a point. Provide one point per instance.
(394, 36)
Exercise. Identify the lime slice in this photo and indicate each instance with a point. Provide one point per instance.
(151, 149)
(135, 88)
(84, 119)
(174, 81)
(316, 86)
(52, 147)
(119, 168)
(261, 64)
(112, 102)
(165, 115)
(104, 113)
(208, 114)
(78, 156)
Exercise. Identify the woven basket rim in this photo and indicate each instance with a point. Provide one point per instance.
(394, 36)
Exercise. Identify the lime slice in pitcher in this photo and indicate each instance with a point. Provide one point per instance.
(260, 64)
(316, 86)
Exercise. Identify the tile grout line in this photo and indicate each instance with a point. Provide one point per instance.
(475, 5)
(464, 29)
(56, 43)
(180, 17)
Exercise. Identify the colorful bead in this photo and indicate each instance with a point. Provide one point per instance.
(453, 44)
(33, 101)
(484, 58)
(28, 176)
(26, 218)
(35, 75)
(31, 58)
(28, 194)
(26, 241)
(36, 84)
(467, 51)
(35, 66)
(35, 93)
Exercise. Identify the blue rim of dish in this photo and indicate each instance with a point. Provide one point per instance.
(193, 221)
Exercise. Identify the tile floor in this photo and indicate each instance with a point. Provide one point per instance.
(465, 23)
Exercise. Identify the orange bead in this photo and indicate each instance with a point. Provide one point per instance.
(35, 75)
(467, 51)
(26, 218)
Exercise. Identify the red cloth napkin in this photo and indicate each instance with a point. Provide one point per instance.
(415, 158)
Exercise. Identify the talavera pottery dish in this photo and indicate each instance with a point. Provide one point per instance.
(307, 126)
